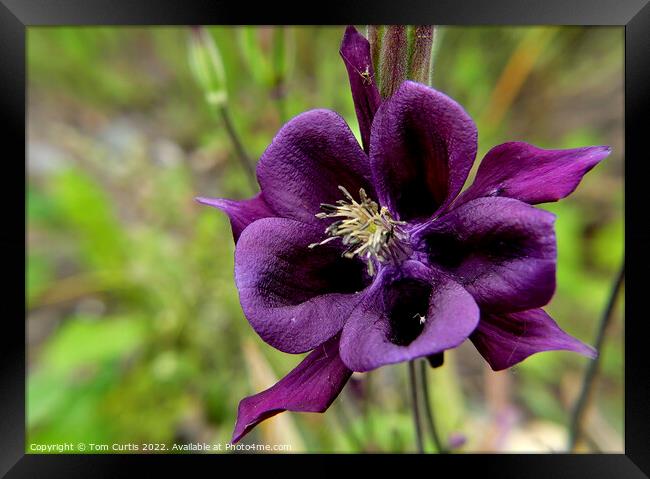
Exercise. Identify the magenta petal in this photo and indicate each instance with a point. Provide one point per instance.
(355, 51)
(506, 339)
(422, 147)
(241, 213)
(309, 158)
(311, 387)
(295, 297)
(534, 175)
(501, 250)
(387, 327)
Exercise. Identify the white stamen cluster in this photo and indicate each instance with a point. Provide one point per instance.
(367, 230)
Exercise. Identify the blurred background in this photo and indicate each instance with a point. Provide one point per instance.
(135, 332)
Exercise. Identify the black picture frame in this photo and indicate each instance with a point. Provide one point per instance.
(633, 15)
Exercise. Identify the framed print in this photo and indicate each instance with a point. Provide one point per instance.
(266, 235)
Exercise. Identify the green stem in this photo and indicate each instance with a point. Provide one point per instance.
(368, 420)
(243, 157)
(346, 424)
(281, 106)
(575, 429)
(416, 407)
(427, 409)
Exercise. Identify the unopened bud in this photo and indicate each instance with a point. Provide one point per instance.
(374, 35)
(393, 59)
(420, 54)
(207, 66)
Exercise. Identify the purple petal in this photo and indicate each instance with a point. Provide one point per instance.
(422, 147)
(311, 387)
(387, 327)
(241, 213)
(308, 159)
(355, 51)
(294, 296)
(506, 339)
(502, 250)
(534, 175)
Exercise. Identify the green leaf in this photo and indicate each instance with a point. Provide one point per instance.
(84, 342)
(256, 60)
(38, 275)
(88, 211)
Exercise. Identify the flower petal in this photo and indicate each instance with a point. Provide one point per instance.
(241, 213)
(531, 174)
(355, 51)
(308, 159)
(422, 147)
(294, 296)
(387, 328)
(311, 387)
(501, 250)
(506, 339)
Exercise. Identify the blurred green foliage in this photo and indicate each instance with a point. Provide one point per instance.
(135, 333)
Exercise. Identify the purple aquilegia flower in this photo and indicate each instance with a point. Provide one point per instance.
(368, 256)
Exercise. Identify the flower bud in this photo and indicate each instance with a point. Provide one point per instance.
(420, 54)
(374, 35)
(393, 60)
(207, 66)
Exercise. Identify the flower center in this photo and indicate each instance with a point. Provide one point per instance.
(368, 231)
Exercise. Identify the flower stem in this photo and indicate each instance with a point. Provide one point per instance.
(281, 106)
(416, 408)
(427, 409)
(346, 425)
(368, 424)
(243, 157)
(575, 429)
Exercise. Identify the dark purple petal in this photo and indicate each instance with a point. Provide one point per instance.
(422, 147)
(534, 175)
(308, 159)
(311, 387)
(386, 327)
(502, 250)
(355, 51)
(293, 296)
(241, 213)
(506, 339)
